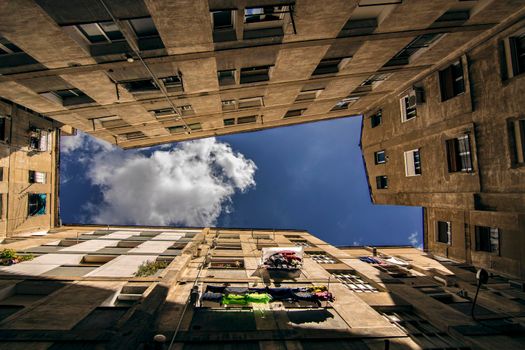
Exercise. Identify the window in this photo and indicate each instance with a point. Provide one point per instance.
(443, 232)
(195, 126)
(109, 122)
(133, 135)
(451, 18)
(226, 263)
(177, 129)
(451, 81)
(375, 79)
(144, 27)
(264, 14)
(101, 32)
(376, 119)
(229, 121)
(408, 103)
(517, 141)
(344, 103)
(240, 120)
(7, 47)
(458, 154)
(187, 110)
(381, 182)
(420, 42)
(294, 113)
(354, 282)
(226, 77)
(380, 157)
(513, 60)
(301, 243)
(36, 204)
(308, 95)
(328, 66)
(487, 239)
(1, 174)
(322, 258)
(358, 27)
(3, 129)
(67, 97)
(247, 120)
(222, 19)
(412, 163)
(37, 177)
(250, 102)
(172, 82)
(38, 139)
(229, 105)
(140, 85)
(165, 113)
(255, 74)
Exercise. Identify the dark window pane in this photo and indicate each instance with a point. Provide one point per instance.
(111, 30)
(222, 19)
(229, 121)
(144, 27)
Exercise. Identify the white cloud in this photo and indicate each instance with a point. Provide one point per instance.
(413, 238)
(190, 184)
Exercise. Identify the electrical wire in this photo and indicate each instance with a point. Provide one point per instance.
(136, 51)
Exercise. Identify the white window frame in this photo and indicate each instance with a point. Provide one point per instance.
(410, 167)
(375, 157)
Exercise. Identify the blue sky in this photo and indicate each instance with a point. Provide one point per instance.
(308, 176)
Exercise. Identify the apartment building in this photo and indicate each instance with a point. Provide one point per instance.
(452, 141)
(28, 167)
(144, 72)
(88, 286)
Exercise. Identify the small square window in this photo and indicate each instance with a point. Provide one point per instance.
(36, 204)
(173, 81)
(3, 128)
(408, 104)
(133, 135)
(247, 120)
(165, 113)
(229, 121)
(328, 66)
(38, 139)
(226, 77)
(37, 177)
(195, 126)
(229, 105)
(140, 85)
(376, 119)
(255, 74)
(177, 129)
(294, 113)
(222, 19)
(380, 157)
(444, 232)
(487, 239)
(381, 182)
(412, 163)
(144, 27)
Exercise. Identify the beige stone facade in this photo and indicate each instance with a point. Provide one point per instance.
(467, 136)
(203, 68)
(28, 164)
(81, 290)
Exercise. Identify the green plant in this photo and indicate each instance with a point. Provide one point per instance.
(149, 268)
(8, 254)
(10, 257)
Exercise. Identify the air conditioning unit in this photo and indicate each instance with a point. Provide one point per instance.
(416, 96)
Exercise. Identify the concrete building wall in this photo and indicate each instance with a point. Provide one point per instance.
(81, 288)
(18, 159)
(492, 194)
(292, 47)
